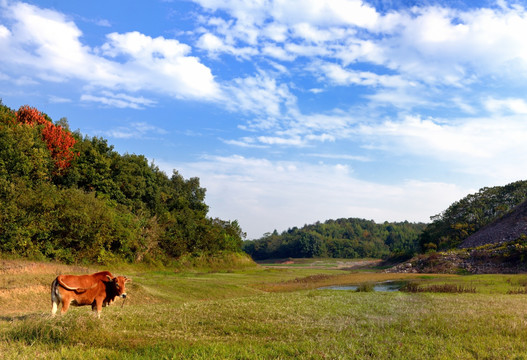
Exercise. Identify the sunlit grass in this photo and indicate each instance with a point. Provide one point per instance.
(305, 324)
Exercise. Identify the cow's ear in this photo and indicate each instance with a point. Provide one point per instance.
(127, 279)
(109, 277)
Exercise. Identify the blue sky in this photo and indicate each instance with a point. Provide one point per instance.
(289, 111)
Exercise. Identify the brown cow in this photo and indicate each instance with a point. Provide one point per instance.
(98, 290)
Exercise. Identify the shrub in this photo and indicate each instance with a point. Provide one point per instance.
(365, 287)
(438, 288)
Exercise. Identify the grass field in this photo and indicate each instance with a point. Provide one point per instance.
(264, 313)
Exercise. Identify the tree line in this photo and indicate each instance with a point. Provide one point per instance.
(466, 216)
(73, 198)
(359, 238)
(341, 238)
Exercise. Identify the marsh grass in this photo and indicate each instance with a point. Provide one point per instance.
(332, 278)
(438, 288)
(365, 287)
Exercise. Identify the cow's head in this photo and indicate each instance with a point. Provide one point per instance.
(118, 285)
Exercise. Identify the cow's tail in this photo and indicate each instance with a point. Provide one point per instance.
(76, 289)
(55, 296)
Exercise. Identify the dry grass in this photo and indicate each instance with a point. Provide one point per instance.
(17, 267)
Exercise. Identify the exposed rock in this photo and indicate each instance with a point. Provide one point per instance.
(491, 259)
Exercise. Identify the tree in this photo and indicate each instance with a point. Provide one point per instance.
(59, 141)
(106, 206)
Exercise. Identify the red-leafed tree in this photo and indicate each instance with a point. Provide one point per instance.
(59, 141)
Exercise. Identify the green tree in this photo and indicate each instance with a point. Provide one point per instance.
(466, 216)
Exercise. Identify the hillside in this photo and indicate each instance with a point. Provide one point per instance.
(465, 217)
(72, 198)
(509, 227)
(499, 247)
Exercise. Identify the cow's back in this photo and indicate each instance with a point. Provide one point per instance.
(84, 281)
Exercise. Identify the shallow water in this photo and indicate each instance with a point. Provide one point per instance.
(381, 286)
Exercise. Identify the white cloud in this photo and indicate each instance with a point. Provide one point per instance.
(294, 129)
(261, 95)
(444, 46)
(103, 23)
(338, 75)
(275, 32)
(216, 46)
(342, 157)
(488, 148)
(136, 130)
(512, 105)
(47, 43)
(312, 34)
(435, 45)
(161, 65)
(277, 52)
(325, 12)
(210, 43)
(4, 32)
(300, 193)
(275, 140)
(59, 100)
(246, 142)
(118, 100)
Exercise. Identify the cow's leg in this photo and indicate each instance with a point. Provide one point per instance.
(94, 307)
(97, 307)
(65, 305)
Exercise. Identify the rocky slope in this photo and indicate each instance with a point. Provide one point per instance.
(506, 258)
(507, 228)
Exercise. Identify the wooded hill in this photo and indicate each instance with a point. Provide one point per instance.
(72, 198)
(470, 214)
(342, 238)
(356, 238)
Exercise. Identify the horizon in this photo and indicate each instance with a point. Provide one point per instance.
(289, 112)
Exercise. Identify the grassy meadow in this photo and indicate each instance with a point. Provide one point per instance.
(264, 312)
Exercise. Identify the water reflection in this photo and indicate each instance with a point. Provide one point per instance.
(380, 286)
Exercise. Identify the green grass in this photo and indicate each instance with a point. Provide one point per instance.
(227, 315)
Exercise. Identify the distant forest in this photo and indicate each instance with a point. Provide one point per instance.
(359, 238)
(72, 198)
(342, 238)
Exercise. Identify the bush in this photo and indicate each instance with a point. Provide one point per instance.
(438, 288)
(365, 287)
